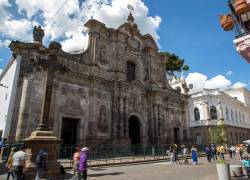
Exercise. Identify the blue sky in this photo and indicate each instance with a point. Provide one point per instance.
(190, 29)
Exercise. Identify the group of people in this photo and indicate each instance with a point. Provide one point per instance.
(80, 158)
(174, 151)
(16, 162)
(212, 152)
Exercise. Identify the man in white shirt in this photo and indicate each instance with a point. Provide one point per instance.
(18, 163)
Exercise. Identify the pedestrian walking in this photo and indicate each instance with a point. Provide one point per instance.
(230, 153)
(238, 152)
(194, 155)
(82, 171)
(208, 154)
(41, 159)
(222, 152)
(185, 154)
(172, 151)
(76, 158)
(233, 149)
(19, 158)
(9, 164)
(213, 152)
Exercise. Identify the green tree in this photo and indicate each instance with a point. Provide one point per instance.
(173, 64)
(217, 134)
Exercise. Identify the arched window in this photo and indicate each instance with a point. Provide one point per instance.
(213, 112)
(196, 114)
(236, 116)
(227, 113)
(131, 71)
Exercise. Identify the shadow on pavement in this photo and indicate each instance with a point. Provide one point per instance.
(97, 169)
(105, 174)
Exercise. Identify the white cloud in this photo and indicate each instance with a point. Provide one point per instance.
(4, 43)
(229, 73)
(1, 71)
(67, 25)
(218, 81)
(238, 85)
(200, 82)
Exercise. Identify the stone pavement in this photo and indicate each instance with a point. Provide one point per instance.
(156, 171)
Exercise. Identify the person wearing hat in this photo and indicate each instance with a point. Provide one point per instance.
(82, 171)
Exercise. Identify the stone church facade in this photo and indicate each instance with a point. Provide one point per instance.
(114, 92)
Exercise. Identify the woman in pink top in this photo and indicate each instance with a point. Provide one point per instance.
(76, 158)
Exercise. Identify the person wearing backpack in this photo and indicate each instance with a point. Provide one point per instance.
(41, 159)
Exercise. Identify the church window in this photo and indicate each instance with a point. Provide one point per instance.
(213, 112)
(196, 114)
(131, 71)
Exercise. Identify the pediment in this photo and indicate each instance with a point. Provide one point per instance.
(150, 42)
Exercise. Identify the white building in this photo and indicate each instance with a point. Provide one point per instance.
(208, 106)
(8, 80)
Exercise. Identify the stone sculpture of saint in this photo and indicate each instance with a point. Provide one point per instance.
(38, 34)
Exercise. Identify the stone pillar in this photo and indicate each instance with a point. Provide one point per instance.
(159, 122)
(42, 137)
(23, 110)
(50, 143)
(118, 117)
(121, 110)
(125, 123)
(220, 111)
(206, 110)
(155, 125)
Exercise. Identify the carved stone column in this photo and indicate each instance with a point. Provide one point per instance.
(155, 122)
(121, 116)
(125, 123)
(42, 137)
(206, 110)
(220, 111)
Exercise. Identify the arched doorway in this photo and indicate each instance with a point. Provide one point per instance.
(134, 131)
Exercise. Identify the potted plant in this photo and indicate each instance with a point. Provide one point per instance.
(223, 170)
(226, 22)
(240, 6)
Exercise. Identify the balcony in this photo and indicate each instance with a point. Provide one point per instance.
(213, 122)
(239, 19)
(243, 46)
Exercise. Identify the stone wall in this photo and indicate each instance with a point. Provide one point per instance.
(93, 88)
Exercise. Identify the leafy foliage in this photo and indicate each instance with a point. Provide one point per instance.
(174, 63)
(217, 134)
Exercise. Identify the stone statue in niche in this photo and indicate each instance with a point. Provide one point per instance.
(102, 55)
(102, 123)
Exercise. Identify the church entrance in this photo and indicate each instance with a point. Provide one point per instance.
(176, 135)
(69, 131)
(134, 131)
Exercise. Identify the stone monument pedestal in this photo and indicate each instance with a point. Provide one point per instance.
(47, 141)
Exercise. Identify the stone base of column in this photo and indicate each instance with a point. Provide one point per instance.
(47, 141)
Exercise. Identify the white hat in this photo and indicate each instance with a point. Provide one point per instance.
(84, 149)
